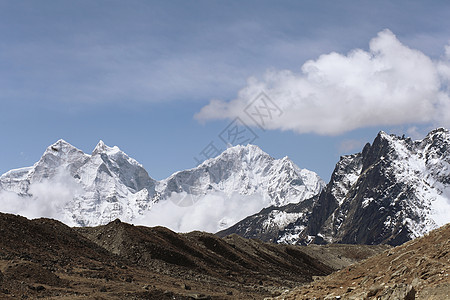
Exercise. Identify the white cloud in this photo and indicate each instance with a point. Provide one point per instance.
(391, 84)
(48, 199)
(444, 68)
(210, 213)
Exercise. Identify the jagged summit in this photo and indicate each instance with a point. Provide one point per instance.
(103, 148)
(61, 146)
(243, 152)
(61, 142)
(383, 133)
(245, 148)
(439, 129)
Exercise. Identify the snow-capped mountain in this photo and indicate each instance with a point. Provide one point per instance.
(101, 186)
(245, 170)
(402, 192)
(108, 184)
(394, 190)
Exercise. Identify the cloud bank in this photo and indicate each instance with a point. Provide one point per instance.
(210, 213)
(390, 84)
(48, 200)
(53, 198)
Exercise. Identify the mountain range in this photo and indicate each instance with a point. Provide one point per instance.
(94, 189)
(394, 190)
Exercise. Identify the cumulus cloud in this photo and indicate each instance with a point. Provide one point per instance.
(209, 213)
(390, 84)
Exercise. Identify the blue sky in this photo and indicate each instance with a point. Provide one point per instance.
(137, 73)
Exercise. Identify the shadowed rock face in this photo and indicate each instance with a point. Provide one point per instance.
(394, 190)
(268, 223)
(45, 258)
(395, 198)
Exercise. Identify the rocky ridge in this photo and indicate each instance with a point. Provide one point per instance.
(394, 190)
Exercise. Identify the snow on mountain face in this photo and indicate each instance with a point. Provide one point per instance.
(267, 224)
(108, 184)
(422, 166)
(402, 191)
(245, 170)
(237, 183)
(345, 176)
(103, 186)
(416, 189)
(394, 190)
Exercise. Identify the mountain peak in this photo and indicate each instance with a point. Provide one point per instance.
(60, 146)
(103, 148)
(382, 134)
(238, 151)
(439, 130)
(249, 150)
(240, 148)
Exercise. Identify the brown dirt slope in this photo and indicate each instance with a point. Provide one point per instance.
(244, 261)
(419, 269)
(44, 258)
(232, 258)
